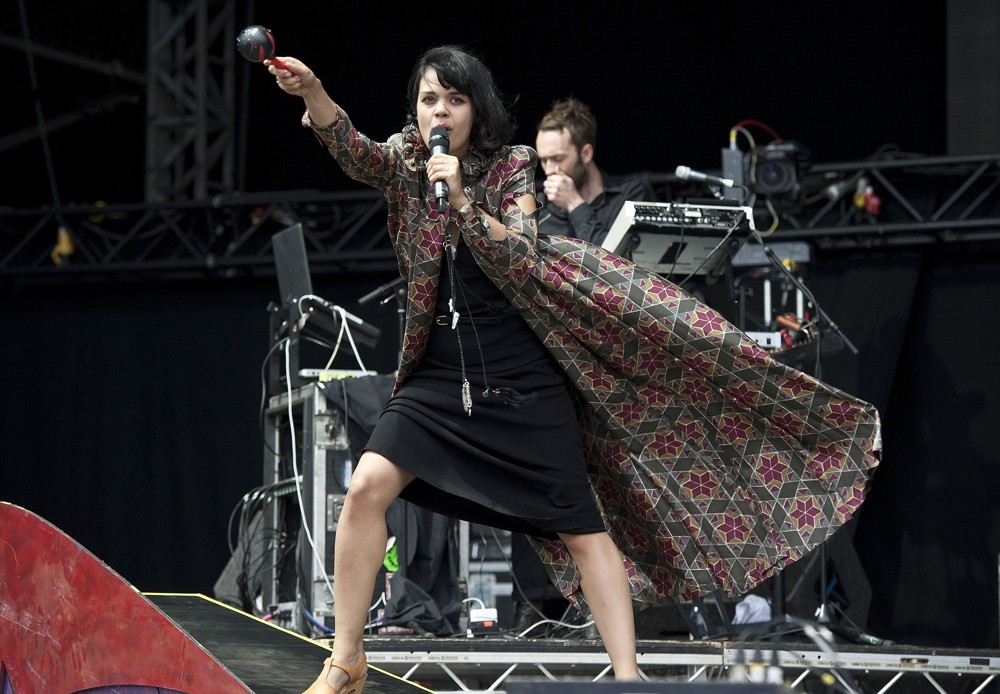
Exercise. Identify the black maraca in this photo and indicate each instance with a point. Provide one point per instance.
(256, 44)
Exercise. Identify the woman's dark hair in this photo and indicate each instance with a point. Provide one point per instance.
(458, 68)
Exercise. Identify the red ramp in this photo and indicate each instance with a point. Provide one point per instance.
(68, 623)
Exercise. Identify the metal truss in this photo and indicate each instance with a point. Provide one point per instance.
(922, 200)
(190, 141)
(448, 665)
(942, 200)
(190, 98)
(225, 237)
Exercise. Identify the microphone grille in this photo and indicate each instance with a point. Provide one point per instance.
(439, 135)
(683, 172)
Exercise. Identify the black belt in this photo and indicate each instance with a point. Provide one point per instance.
(445, 319)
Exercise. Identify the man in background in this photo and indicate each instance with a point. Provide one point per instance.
(578, 197)
(581, 200)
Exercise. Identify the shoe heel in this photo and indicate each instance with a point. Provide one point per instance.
(356, 686)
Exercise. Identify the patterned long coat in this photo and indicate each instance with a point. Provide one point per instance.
(713, 464)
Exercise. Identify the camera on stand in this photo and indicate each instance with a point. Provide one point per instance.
(774, 171)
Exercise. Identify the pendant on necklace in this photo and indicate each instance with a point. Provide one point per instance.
(466, 397)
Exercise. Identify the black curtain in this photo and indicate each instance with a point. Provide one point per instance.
(929, 536)
(131, 422)
(131, 415)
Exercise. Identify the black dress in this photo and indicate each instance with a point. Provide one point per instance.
(516, 463)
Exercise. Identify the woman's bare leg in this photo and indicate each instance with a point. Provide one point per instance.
(358, 553)
(605, 586)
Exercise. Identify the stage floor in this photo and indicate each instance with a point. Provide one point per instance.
(272, 660)
(265, 657)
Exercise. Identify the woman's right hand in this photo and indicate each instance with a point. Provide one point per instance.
(297, 79)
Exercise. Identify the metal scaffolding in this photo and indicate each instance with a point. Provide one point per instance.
(924, 201)
(812, 662)
(480, 665)
(190, 141)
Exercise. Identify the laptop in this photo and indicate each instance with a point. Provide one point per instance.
(292, 267)
(321, 322)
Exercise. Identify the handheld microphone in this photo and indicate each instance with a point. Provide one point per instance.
(439, 144)
(687, 173)
(857, 636)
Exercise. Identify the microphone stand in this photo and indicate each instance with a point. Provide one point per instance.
(822, 615)
(396, 288)
(778, 585)
(383, 293)
(821, 315)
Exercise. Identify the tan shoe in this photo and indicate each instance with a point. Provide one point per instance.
(356, 677)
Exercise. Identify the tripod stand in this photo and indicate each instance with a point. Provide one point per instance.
(817, 327)
(822, 322)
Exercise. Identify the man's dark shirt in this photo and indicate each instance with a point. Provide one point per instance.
(591, 222)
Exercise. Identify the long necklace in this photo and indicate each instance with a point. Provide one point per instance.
(451, 253)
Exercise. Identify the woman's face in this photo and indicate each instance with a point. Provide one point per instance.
(445, 106)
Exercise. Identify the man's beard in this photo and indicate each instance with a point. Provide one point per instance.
(580, 175)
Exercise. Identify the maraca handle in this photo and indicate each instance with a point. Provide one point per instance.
(280, 64)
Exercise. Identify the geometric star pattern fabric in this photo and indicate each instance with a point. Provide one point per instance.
(714, 464)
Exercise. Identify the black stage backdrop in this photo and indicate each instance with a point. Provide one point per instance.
(131, 422)
(132, 416)
(666, 80)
